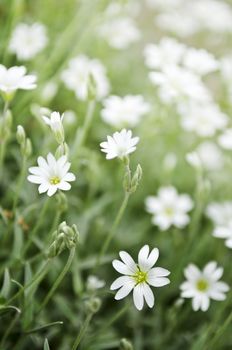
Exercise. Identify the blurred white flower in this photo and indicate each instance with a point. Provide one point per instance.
(221, 215)
(203, 119)
(226, 68)
(207, 155)
(119, 145)
(225, 139)
(138, 276)
(124, 111)
(49, 91)
(51, 174)
(163, 5)
(177, 84)
(120, 32)
(55, 123)
(15, 78)
(168, 51)
(70, 117)
(169, 208)
(94, 283)
(77, 76)
(178, 21)
(200, 61)
(28, 40)
(201, 286)
(170, 161)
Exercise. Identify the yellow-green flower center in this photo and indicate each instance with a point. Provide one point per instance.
(54, 180)
(169, 211)
(202, 285)
(140, 277)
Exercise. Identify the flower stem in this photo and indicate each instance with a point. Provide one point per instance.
(82, 331)
(113, 229)
(10, 327)
(81, 134)
(4, 139)
(59, 279)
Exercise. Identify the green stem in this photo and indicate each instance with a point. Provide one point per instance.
(59, 279)
(82, 134)
(220, 332)
(37, 278)
(9, 328)
(4, 139)
(82, 331)
(36, 228)
(20, 183)
(113, 229)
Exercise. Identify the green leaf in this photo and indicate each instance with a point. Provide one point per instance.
(28, 295)
(6, 284)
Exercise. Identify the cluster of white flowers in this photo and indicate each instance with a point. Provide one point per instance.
(201, 286)
(169, 208)
(28, 40)
(78, 74)
(124, 111)
(221, 215)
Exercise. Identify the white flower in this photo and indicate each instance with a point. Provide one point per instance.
(201, 286)
(177, 84)
(124, 111)
(51, 174)
(168, 51)
(49, 91)
(55, 123)
(221, 215)
(200, 61)
(119, 32)
(28, 40)
(138, 276)
(163, 5)
(225, 139)
(76, 77)
(226, 67)
(203, 119)
(119, 145)
(94, 283)
(169, 208)
(15, 78)
(207, 155)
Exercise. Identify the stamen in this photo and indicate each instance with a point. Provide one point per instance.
(55, 180)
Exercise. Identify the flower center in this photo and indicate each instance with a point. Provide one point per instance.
(169, 211)
(140, 277)
(202, 285)
(54, 180)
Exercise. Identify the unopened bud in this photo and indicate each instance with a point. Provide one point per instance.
(28, 148)
(136, 178)
(62, 150)
(20, 135)
(93, 305)
(125, 345)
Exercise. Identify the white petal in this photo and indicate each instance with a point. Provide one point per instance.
(192, 272)
(52, 190)
(138, 297)
(148, 295)
(158, 272)
(121, 267)
(196, 303)
(43, 187)
(124, 291)
(69, 177)
(158, 281)
(35, 179)
(120, 281)
(127, 259)
(64, 186)
(204, 302)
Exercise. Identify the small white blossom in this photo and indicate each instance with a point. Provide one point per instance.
(168, 51)
(55, 123)
(201, 286)
(119, 145)
(28, 40)
(225, 139)
(200, 61)
(120, 32)
(176, 84)
(94, 283)
(49, 91)
(203, 119)
(169, 208)
(209, 155)
(221, 215)
(15, 78)
(139, 276)
(51, 174)
(77, 76)
(124, 111)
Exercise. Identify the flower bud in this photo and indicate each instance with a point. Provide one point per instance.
(62, 150)
(20, 135)
(93, 305)
(125, 345)
(28, 148)
(136, 178)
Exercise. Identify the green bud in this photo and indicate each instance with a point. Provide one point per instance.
(125, 345)
(93, 305)
(65, 237)
(136, 178)
(20, 135)
(28, 148)
(62, 150)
